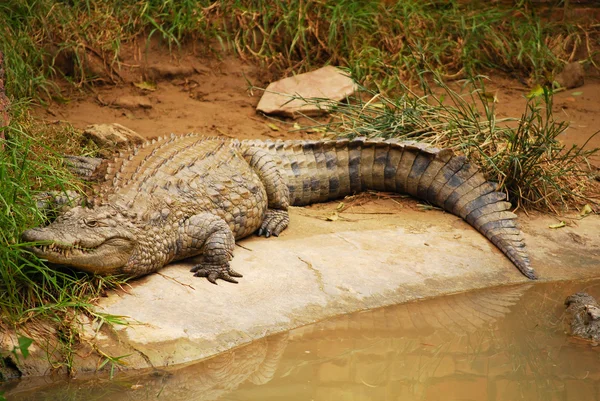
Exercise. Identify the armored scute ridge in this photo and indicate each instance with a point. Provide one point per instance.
(189, 196)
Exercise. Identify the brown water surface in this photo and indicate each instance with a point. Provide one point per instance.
(503, 344)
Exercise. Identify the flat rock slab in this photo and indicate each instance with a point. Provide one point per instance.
(285, 97)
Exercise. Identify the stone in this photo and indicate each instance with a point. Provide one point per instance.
(572, 76)
(284, 97)
(112, 136)
(162, 71)
(132, 102)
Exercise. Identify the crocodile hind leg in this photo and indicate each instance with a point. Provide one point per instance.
(276, 218)
(213, 237)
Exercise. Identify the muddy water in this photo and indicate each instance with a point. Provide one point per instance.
(497, 344)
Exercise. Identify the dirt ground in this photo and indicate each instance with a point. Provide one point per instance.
(211, 96)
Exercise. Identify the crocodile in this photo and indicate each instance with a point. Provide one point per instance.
(190, 196)
(583, 313)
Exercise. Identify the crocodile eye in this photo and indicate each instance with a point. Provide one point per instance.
(91, 222)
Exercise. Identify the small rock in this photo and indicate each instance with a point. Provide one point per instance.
(159, 71)
(202, 69)
(284, 97)
(572, 76)
(111, 136)
(132, 102)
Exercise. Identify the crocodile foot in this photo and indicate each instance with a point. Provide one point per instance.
(274, 222)
(214, 271)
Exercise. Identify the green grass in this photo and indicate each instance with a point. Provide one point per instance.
(30, 291)
(382, 42)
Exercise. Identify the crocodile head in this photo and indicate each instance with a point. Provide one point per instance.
(584, 314)
(98, 240)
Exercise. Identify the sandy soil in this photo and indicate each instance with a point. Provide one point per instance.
(211, 96)
(192, 93)
(579, 106)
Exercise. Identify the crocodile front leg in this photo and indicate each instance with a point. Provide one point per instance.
(276, 218)
(214, 238)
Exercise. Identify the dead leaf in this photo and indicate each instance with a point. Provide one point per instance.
(297, 126)
(340, 206)
(570, 99)
(272, 126)
(490, 97)
(587, 209)
(536, 91)
(557, 225)
(333, 217)
(147, 86)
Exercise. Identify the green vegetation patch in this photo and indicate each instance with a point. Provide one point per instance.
(381, 41)
(31, 292)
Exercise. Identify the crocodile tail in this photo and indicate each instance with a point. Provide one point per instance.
(320, 171)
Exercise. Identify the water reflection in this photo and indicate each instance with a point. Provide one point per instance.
(496, 344)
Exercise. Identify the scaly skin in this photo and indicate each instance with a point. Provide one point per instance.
(187, 196)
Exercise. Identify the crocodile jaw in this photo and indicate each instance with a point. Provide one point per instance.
(97, 256)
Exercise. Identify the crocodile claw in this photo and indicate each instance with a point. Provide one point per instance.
(274, 222)
(213, 272)
(263, 231)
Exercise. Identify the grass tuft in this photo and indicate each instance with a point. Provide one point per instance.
(387, 42)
